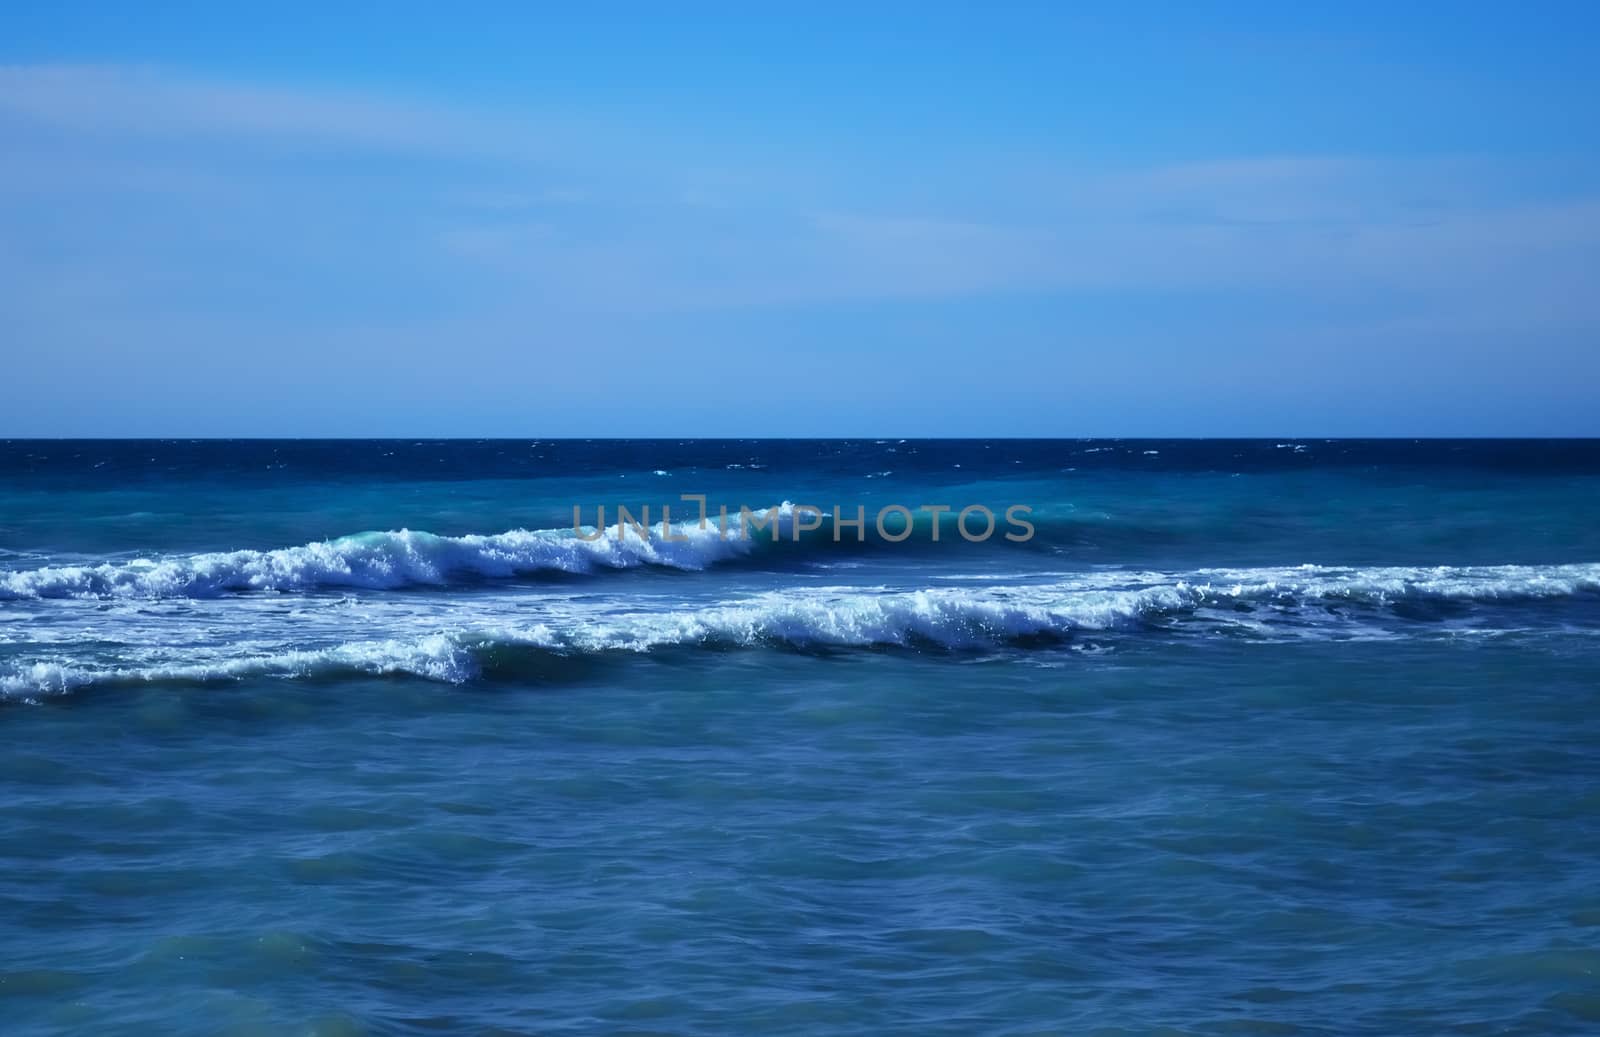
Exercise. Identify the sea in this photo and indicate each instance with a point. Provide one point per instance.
(1209, 737)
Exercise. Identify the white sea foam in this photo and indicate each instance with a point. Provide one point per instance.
(437, 657)
(1292, 603)
(960, 617)
(1388, 584)
(389, 560)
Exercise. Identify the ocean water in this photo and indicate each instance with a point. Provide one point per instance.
(1284, 737)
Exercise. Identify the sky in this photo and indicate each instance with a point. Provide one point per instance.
(912, 219)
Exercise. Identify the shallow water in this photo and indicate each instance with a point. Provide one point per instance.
(1145, 773)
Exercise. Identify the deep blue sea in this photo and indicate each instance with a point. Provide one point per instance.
(363, 737)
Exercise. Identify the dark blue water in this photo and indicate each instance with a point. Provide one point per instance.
(362, 737)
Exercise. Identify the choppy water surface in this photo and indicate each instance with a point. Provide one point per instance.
(1280, 737)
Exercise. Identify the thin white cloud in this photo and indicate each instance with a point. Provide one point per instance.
(622, 226)
(146, 101)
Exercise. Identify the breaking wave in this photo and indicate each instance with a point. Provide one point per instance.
(388, 561)
(1298, 602)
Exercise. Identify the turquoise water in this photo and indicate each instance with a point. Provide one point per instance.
(1248, 738)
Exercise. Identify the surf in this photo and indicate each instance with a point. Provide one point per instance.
(1282, 604)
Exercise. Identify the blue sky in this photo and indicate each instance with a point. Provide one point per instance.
(910, 219)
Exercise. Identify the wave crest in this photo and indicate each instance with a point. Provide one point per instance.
(1310, 601)
(387, 561)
